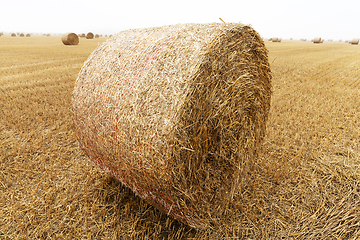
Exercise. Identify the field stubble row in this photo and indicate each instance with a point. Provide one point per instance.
(304, 184)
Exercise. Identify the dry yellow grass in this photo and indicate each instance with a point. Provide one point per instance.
(305, 185)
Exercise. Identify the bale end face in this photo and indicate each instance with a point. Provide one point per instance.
(175, 113)
(89, 35)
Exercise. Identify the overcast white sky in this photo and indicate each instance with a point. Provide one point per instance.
(329, 19)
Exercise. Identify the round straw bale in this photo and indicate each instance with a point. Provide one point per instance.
(275, 39)
(28, 35)
(22, 35)
(89, 35)
(13, 35)
(317, 40)
(70, 39)
(97, 36)
(355, 41)
(176, 113)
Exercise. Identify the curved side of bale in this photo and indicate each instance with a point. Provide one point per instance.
(89, 35)
(70, 39)
(317, 40)
(274, 39)
(176, 113)
(82, 35)
(28, 35)
(355, 41)
(22, 35)
(13, 35)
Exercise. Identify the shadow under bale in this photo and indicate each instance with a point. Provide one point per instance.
(125, 205)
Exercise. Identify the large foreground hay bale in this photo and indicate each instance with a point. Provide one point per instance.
(89, 35)
(176, 113)
(70, 39)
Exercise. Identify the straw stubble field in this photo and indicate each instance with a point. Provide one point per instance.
(304, 185)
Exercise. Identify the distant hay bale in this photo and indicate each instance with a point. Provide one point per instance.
(97, 36)
(275, 39)
(28, 35)
(89, 35)
(82, 35)
(176, 113)
(355, 41)
(70, 39)
(317, 40)
(13, 35)
(22, 35)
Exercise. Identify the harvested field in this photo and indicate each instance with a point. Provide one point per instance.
(304, 185)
